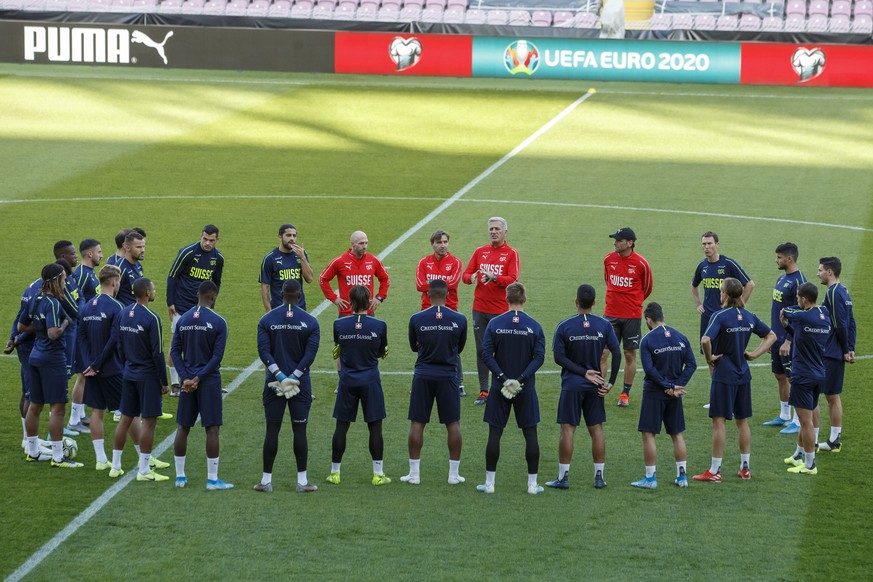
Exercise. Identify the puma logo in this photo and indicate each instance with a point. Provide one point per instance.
(142, 38)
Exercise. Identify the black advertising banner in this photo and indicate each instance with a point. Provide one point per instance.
(184, 47)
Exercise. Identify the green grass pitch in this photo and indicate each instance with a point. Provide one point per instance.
(87, 151)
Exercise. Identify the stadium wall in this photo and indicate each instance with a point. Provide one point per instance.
(457, 55)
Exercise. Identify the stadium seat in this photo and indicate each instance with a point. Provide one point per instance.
(453, 15)
(795, 7)
(795, 23)
(817, 23)
(386, 14)
(432, 14)
(345, 11)
(410, 14)
(661, 21)
(519, 18)
(562, 19)
(389, 4)
(462, 4)
(585, 20)
(772, 24)
(61, 5)
(435, 4)
(474, 16)
(541, 18)
(410, 3)
(497, 17)
(841, 8)
(192, 7)
(170, 7)
(727, 22)
(11, 4)
(839, 24)
(322, 12)
(862, 25)
(301, 10)
(236, 7)
(374, 4)
(121, 6)
(683, 22)
(818, 7)
(704, 22)
(863, 8)
(34, 5)
(366, 14)
(750, 22)
(95, 5)
(279, 9)
(214, 7)
(258, 8)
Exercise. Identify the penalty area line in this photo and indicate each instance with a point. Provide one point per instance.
(41, 554)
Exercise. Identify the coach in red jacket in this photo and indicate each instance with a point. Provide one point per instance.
(493, 267)
(355, 267)
(629, 281)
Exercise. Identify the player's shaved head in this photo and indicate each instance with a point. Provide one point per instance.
(357, 235)
(208, 288)
(359, 297)
(437, 289)
(585, 296)
(142, 287)
(290, 291)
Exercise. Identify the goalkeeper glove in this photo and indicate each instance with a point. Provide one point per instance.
(290, 387)
(280, 376)
(510, 389)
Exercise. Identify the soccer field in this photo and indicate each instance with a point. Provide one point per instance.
(86, 151)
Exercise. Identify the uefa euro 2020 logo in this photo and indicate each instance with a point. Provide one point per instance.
(521, 57)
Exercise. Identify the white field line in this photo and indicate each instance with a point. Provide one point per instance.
(41, 554)
(464, 201)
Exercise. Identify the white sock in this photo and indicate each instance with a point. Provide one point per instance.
(599, 467)
(77, 411)
(32, 446)
(116, 459)
(144, 459)
(377, 468)
(99, 451)
(301, 478)
(136, 448)
(454, 467)
(809, 458)
(335, 467)
(835, 433)
(180, 465)
(816, 430)
(680, 467)
(796, 419)
(212, 469)
(784, 411)
(532, 479)
(715, 466)
(415, 466)
(798, 450)
(57, 451)
(650, 471)
(23, 427)
(174, 376)
(563, 469)
(490, 476)
(267, 478)
(744, 459)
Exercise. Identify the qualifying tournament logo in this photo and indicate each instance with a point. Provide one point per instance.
(808, 64)
(521, 57)
(405, 52)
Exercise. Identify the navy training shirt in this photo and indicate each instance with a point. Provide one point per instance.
(130, 272)
(730, 331)
(198, 344)
(288, 337)
(784, 295)
(140, 343)
(842, 338)
(514, 345)
(578, 346)
(278, 267)
(667, 359)
(192, 266)
(811, 328)
(362, 340)
(711, 276)
(97, 336)
(438, 334)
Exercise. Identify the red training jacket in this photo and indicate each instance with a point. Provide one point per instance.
(628, 283)
(502, 261)
(349, 271)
